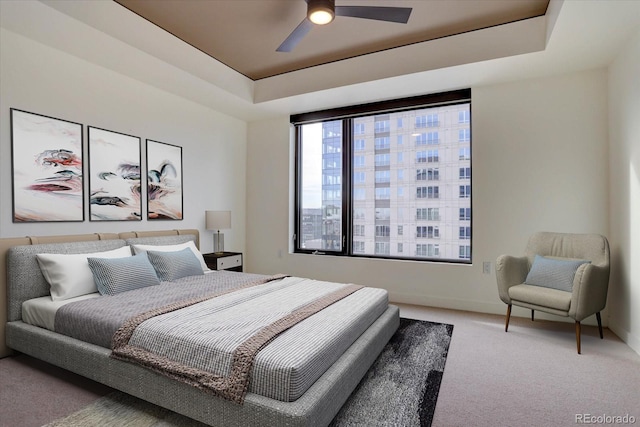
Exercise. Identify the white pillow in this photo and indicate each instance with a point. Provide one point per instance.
(69, 275)
(173, 248)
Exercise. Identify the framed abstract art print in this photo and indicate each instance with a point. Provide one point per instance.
(164, 181)
(114, 176)
(47, 168)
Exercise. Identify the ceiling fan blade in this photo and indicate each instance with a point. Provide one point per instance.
(379, 13)
(296, 36)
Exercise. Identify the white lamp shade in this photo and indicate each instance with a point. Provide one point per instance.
(218, 220)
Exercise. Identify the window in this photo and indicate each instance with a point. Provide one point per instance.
(382, 143)
(383, 214)
(430, 138)
(433, 174)
(465, 233)
(382, 231)
(383, 193)
(383, 176)
(381, 126)
(432, 156)
(430, 232)
(429, 250)
(341, 208)
(382, 248)
(382, 160)
(465, 252)
(464, 116)
(465, 214)
(431, 192)
(433, 214)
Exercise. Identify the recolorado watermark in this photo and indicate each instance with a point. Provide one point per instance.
(605, 419)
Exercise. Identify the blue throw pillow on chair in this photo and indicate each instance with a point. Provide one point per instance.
(553, 273)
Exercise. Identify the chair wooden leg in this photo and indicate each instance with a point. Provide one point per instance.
(578, 335)
(599, 325)
(506, 324)
(532, 315)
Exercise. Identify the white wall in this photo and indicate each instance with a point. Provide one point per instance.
(540, 162)
(624, 134)
(47, 81)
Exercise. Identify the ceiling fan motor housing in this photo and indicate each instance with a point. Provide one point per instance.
(321, 11)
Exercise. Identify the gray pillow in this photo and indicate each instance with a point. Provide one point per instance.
(116, 275)
(174, 265)
(553, 273)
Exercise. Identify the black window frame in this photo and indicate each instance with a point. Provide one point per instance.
(347, 114)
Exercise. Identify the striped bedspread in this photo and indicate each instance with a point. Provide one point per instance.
(274, 338)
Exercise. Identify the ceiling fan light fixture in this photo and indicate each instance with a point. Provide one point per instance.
(321, 12)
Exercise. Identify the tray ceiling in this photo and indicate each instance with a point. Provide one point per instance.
(244, 34)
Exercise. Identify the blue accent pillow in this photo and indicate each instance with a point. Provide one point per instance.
(116, 275)
(174, 265)
(553, 273)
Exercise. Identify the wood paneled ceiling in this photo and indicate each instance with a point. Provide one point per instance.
(244, 34)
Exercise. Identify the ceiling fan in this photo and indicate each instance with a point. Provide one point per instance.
(322, 12)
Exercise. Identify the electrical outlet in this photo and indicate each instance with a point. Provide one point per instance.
(486, 267)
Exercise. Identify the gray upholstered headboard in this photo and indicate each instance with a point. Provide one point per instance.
(20, 275)
(24, 277)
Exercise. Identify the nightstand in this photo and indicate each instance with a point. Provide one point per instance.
(231, 261)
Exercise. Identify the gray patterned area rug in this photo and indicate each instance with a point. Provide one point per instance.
(400, 389)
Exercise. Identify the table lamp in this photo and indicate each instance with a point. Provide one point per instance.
(216, 220)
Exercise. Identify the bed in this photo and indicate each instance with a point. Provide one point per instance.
(312, 398)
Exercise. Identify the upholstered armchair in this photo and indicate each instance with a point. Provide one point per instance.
(560, 273)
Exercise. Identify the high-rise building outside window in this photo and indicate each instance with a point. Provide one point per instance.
(358, 186)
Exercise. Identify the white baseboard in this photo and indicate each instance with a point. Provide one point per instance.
(450, 303)
(486, 307)
(626, 336)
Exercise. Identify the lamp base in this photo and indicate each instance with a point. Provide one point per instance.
(218, 242)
